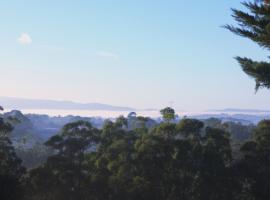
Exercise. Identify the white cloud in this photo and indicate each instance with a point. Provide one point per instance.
(107, 54)
(25, 39)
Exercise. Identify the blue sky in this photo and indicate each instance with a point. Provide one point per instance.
(143, 54)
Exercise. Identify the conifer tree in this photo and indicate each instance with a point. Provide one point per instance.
(254, 25)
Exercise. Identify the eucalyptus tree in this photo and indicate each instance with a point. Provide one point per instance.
(168, 114)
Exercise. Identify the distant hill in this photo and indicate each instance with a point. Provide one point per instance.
(36, 128)
(237, 118)
(237, 110)
(22, 103)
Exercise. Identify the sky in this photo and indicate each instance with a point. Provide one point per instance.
(136, 53)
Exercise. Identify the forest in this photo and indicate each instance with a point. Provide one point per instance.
(127, 160)
(132, 158)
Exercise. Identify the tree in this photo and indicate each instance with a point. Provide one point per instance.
(190, 127)
(215, 180)
(254, 167)
(262, 135)
(254, 25)
(168, 114)
(121, 122)
(11, 170)
(168, 161)
(65, 174)
(131, 115)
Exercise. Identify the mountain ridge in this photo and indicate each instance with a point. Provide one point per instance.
(25, 103)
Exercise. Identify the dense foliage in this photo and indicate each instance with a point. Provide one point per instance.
(128, 160)
(11, 170)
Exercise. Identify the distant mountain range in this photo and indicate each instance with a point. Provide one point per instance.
(23, 103)
(13, 103)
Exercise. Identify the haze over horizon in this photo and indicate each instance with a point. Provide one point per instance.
(64, 108)
(84, 52)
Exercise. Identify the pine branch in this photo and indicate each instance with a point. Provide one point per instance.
(260, 71)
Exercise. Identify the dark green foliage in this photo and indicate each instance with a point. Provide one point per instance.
(11, 171)
(67, 168)
(254, 166)
(168, 114)
(238, 131)
(187, 160)
(190, 127)
(254, 25)
(169, 161)
(262, 135)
